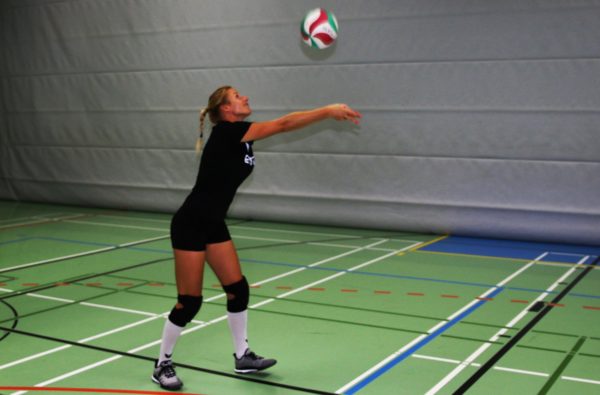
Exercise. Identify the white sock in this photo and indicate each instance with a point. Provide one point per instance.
(170, 335)
(238, 324)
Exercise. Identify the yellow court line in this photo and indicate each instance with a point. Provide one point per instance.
(416, 248)
(475, 256)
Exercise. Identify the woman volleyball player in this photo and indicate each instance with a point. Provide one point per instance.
(198, 230)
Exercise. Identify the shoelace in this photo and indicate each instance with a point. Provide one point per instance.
(253, 356)
(167, 370)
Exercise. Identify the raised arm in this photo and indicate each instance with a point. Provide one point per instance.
(300, 119)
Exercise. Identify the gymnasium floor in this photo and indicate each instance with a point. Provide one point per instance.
(84, 294)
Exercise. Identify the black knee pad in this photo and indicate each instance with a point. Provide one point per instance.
(191, 306)
(241, 296)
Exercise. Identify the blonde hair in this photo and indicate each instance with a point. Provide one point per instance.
(216, 99)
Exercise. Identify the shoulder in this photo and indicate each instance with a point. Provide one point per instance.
(229, 132)
(232, 132)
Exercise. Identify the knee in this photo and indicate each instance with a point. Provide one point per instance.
(241, 296)
(190, 307)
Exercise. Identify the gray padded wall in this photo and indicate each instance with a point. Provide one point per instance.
(480, 117)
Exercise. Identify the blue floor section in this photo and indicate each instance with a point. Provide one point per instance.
(567, 253)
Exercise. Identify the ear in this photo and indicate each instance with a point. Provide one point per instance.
(226, 107)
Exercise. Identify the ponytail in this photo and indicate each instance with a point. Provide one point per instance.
(215, 101)
(200, 141)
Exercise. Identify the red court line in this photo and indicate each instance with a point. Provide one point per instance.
(97, 390)
(450, 296)
(591, 307)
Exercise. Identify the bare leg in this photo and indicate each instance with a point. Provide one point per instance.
(224, 261)
(189, 272)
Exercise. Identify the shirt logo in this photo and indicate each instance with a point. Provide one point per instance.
(249, 160)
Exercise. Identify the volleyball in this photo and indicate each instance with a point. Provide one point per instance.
(319, 28)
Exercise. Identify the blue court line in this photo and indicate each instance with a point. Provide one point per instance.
(16, 240)
(428, 279)
(403, 277)
(369, 379)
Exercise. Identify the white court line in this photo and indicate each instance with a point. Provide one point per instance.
(457, 362)
(442, 383)
(45, 220)
(88, 304)
(38, 216)
(100, 335)
(319, 233)
(236, 236)
(154, 343)
(510, 370)
(117, 225)
(82, 253)
(167, 221)
(580, 380)
(162, 221)
(431, 330)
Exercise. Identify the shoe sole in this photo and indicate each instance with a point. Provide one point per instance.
(164, 387)
(245, 371)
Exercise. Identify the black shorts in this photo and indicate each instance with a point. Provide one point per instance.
(191, 233)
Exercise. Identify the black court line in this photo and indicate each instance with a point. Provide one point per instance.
(186, 366)
(15, 316)
(519, 335)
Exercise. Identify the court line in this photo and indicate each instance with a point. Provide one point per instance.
(242, 227)
(517, 260)
(561, 368)
(507, 369)
(502, 368)
(95, 305)
(100, 335)
(28, 217)
(110, 247)
(392, 360)
(80, 254)
(189, 330)
(523, 331)
(235, 236)
(19, 240)
(573, 378)
(42, 221)
(337, 235)
(94, 390)
(580, 380)
(450, 376)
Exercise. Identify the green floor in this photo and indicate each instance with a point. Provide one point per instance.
(84, 294)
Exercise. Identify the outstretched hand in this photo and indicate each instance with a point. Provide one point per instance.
(342, 112)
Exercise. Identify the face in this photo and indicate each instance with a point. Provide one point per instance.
(237, 105)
